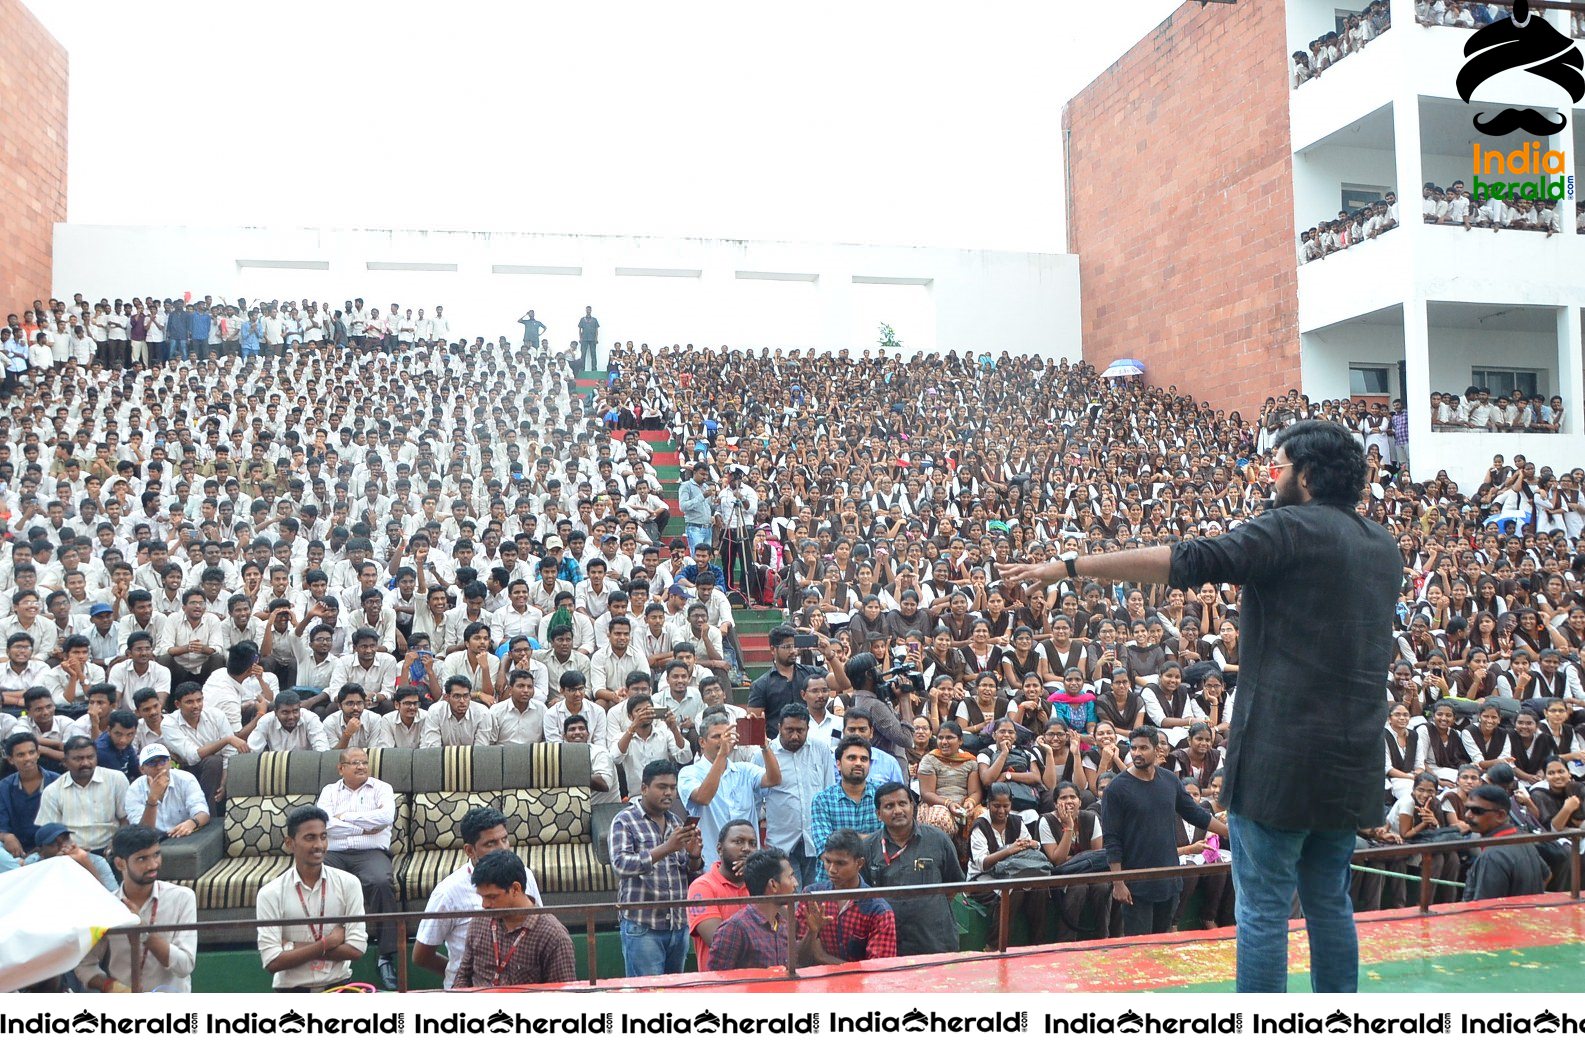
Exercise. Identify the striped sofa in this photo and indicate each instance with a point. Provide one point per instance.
(542, 789)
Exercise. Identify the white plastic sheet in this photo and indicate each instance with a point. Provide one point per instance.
(51, 913)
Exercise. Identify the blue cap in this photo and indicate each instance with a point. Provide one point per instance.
(48, 833)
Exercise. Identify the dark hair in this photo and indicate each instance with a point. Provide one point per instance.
(123, 719)
(845, 840)
(781, 633)
(132, 839)
(1491, 793)
(726, 829)
(661, 767)
(502, 869)
(762, 866)
(477, 821)
(861, 670)
(1147, 732)
(891, 787)
(298, 817)
(240, 657)
(797, 712)
(853, 741)
(16, 740)
(1331, 460)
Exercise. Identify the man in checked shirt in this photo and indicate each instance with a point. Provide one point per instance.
(848, 930)
(655, 856)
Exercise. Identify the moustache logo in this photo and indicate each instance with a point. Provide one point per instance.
(1533, 45)
(1527, 119)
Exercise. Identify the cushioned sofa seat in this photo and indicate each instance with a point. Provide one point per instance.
(542, 789)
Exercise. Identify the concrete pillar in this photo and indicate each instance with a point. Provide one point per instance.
(1417, 376)
(1571, 368)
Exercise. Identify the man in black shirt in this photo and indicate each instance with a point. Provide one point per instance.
(1303, 768)
(1500, 871)
(907, 853)
(784, 683)
(1138, 812)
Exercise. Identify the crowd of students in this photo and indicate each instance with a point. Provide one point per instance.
(1331, 236)
(1330, 48)
(1457, 206)
(352, 542)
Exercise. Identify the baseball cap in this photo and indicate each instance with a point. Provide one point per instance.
(48, 833)
(152, 753)
(99, 607)
(554, 543)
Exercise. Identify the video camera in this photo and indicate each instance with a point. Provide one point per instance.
(904, 677)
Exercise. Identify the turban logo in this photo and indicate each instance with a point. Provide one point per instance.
(1521, 42)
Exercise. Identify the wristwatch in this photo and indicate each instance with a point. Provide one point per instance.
(1071, 560)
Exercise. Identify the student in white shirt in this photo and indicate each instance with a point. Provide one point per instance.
(167, 960)
(483, 831)
(309, 956)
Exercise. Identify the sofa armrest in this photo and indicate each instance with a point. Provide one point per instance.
(604, 813)
(185, 859)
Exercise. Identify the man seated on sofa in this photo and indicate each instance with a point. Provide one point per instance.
(288, 727)
(362, 810)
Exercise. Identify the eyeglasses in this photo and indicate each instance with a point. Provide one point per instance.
(1277, 469)
(1477, 810)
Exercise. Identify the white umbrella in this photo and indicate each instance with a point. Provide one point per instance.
(1124, 366)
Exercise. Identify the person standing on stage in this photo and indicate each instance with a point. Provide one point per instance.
(1301, 774)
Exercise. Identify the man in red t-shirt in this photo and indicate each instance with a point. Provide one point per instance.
(721, 887)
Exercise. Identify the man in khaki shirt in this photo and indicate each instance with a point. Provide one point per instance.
(310, 955)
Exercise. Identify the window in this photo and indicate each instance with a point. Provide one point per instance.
(1364, 380)
(1356, 196)
(1502, 381)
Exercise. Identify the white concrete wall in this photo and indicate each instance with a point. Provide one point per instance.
(1325, 358)
(1319, 175)
(743, 293)
(1456, 351)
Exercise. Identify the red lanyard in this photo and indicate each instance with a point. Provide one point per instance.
(887, 856)
(495, 948)
(316, 932)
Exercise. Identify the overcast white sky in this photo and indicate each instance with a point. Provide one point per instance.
(870, 121)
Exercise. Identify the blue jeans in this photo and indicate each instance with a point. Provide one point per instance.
(697, 534)
(650, 953)
(1269, 866)
(178, 348)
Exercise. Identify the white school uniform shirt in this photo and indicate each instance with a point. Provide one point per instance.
(455, 893)
(401, 735)
(337, 893)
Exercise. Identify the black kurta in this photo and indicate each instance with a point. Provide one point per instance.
(1319, 587)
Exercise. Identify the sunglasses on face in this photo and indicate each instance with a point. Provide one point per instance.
(1477, 810)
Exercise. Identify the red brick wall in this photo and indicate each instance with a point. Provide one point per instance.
(1180, 200)
(32, 155)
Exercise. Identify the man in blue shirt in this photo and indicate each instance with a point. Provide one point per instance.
(884, 769)
(697, 512)
(849, 803)
(806, 768)
(19, 794)
(199, 322)
(252, 334)
(115, 745)
(718, 790)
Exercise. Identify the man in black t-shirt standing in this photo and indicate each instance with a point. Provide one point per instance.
(1139, 811)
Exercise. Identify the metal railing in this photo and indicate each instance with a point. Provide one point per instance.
(589, 913)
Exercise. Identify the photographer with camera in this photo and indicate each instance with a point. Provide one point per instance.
(861, 678)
